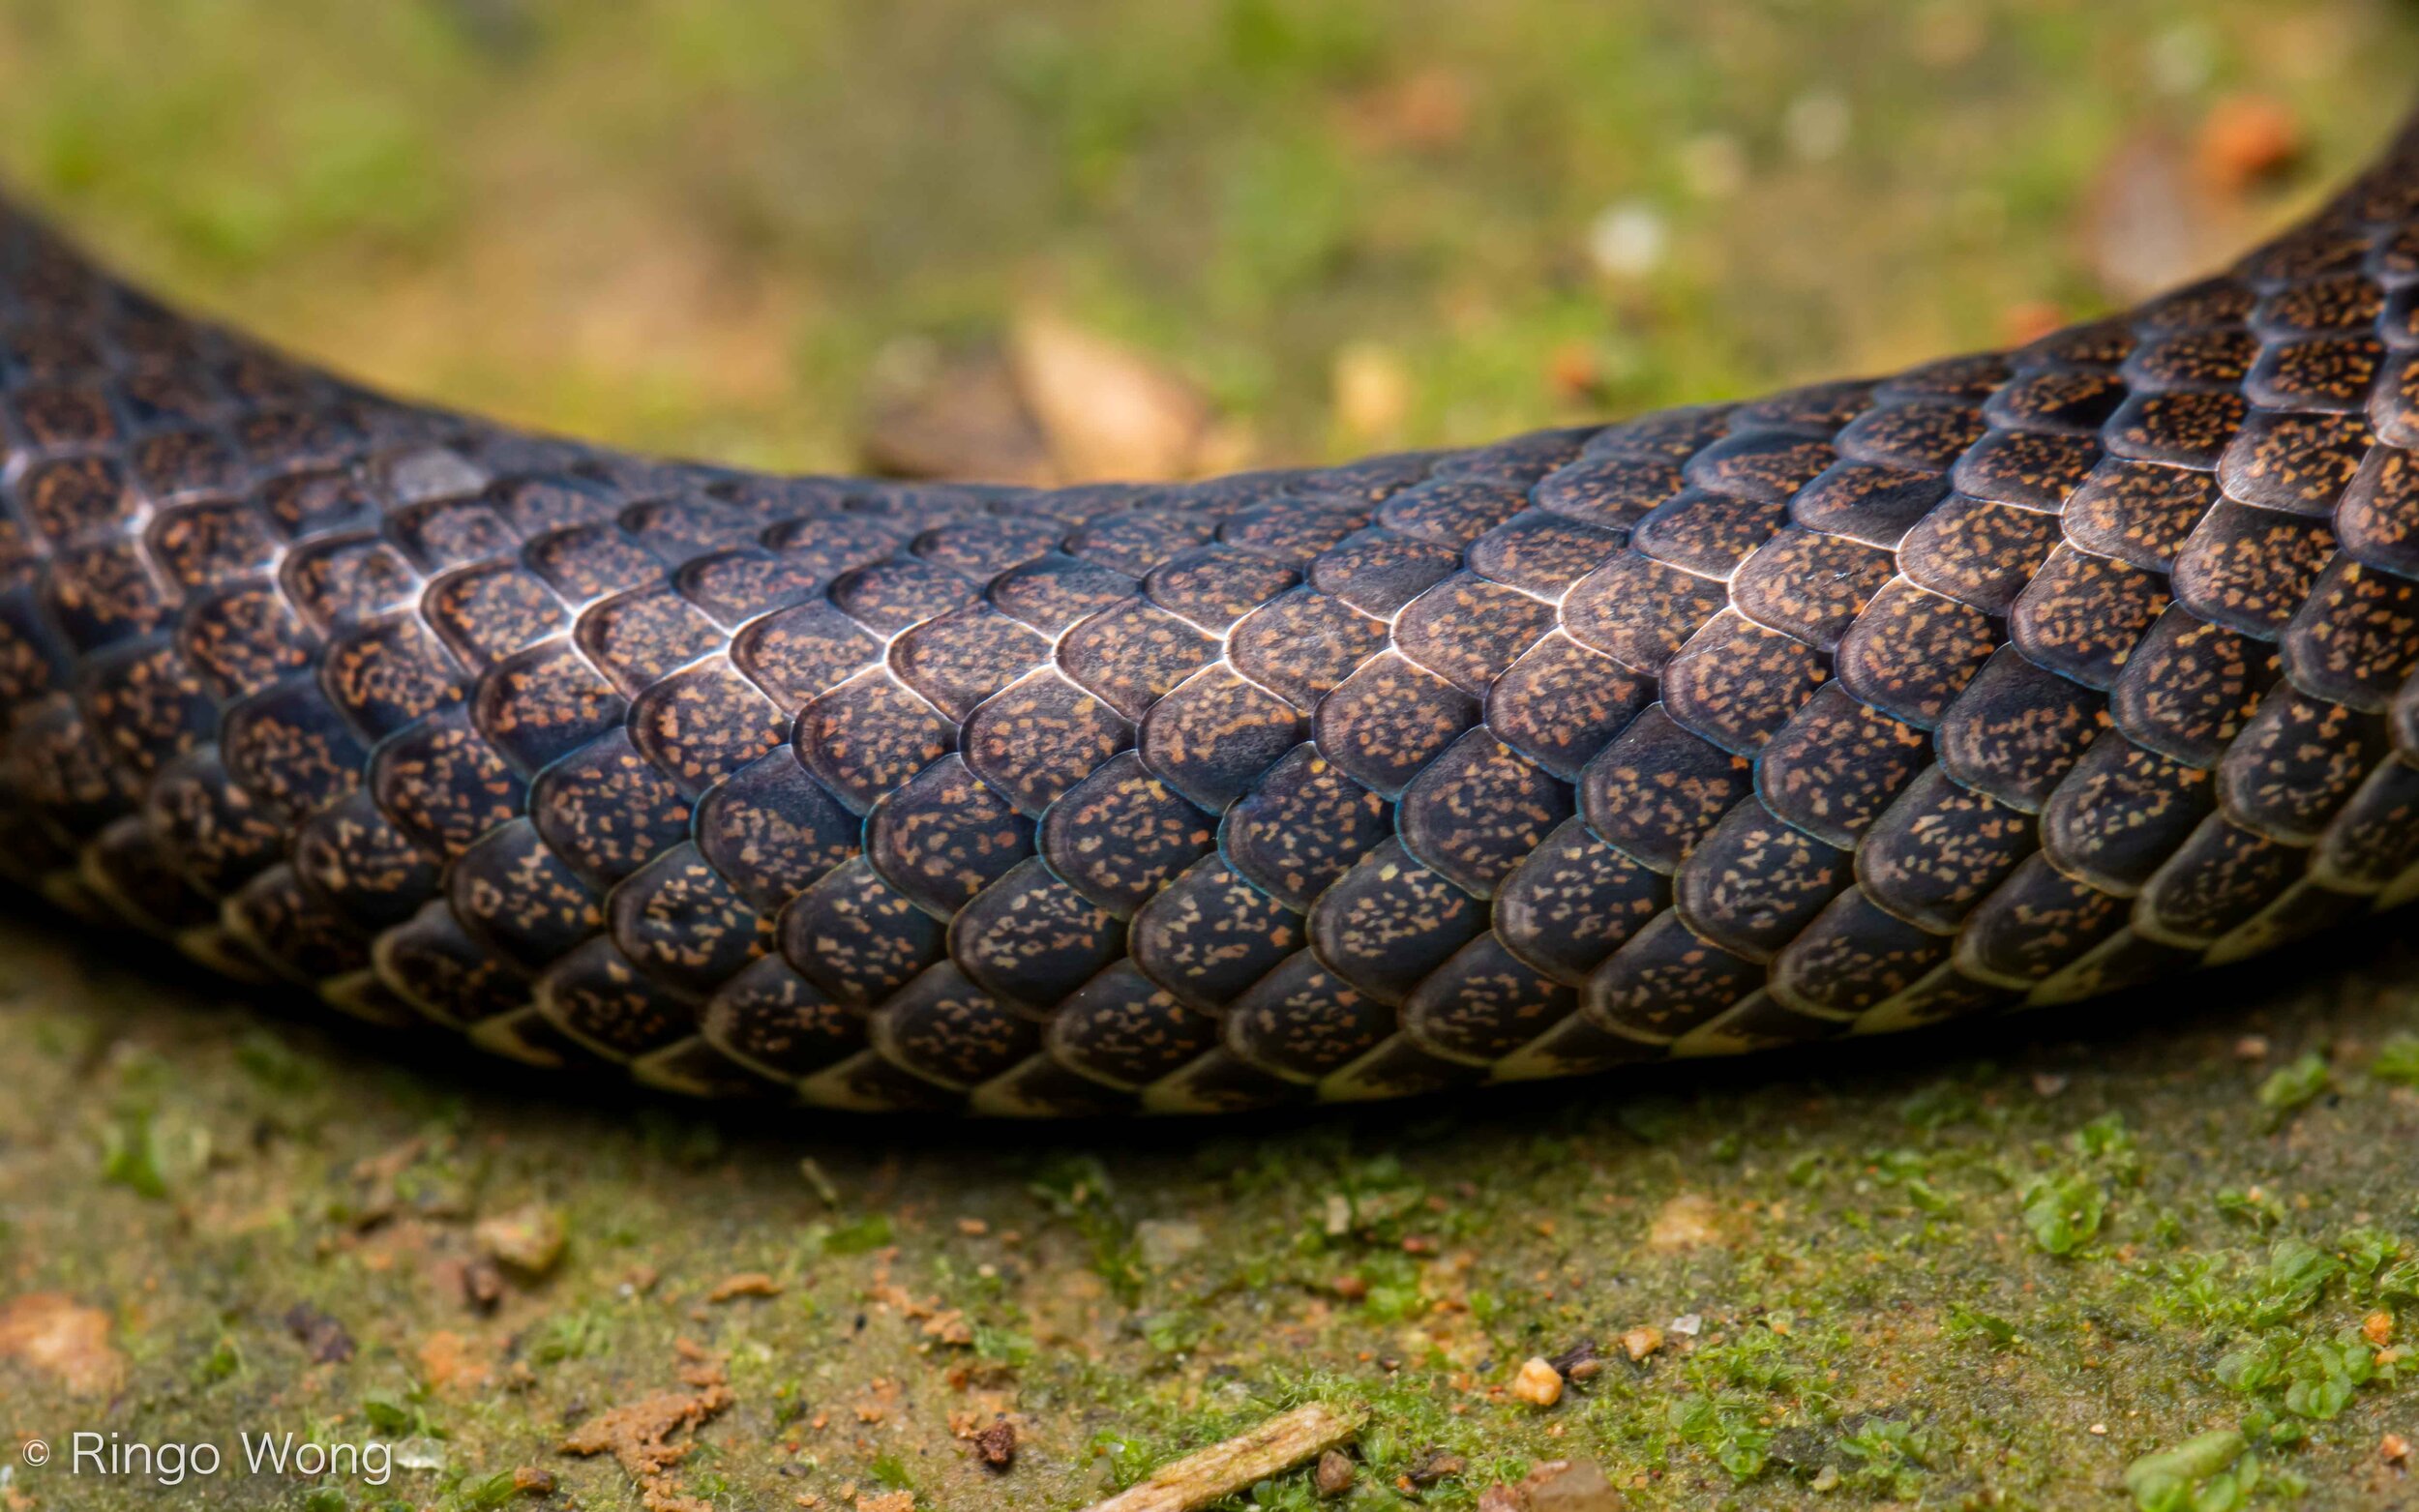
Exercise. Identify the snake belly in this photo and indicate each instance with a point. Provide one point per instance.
(2012, 678)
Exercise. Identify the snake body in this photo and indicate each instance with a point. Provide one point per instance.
(2012, 678)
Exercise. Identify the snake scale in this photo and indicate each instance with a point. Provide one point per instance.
(2012, 678)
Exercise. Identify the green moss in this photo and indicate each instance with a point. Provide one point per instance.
(2291, 1087)
(2064, 1211)
(859, 1236)
(2398, 1060)
(2209, 1473)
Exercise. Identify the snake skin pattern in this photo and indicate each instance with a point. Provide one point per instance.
(2010, 679)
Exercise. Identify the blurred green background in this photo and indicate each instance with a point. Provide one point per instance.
(708, 227)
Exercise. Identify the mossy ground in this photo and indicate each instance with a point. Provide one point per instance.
(1987, 1269)
(1956, 1272)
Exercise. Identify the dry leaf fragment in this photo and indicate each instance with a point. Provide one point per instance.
(1107, 412)
(1222, 1470)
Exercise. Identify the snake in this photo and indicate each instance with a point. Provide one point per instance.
(2010, 679)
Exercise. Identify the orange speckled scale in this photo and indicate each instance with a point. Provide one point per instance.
(2012, 678)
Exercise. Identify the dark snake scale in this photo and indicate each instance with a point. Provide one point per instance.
(2010, 679)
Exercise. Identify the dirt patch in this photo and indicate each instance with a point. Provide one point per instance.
(58, 1336)
(643, 1436)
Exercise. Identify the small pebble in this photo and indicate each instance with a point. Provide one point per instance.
(2252, 1047)
(996, 1444)
(1539, 1383)
(1639, 1343)
(528, 1240)
(482, 1285)
(1579, 1362)
(1333, 1477)
(1688, 1325)
(1434, 1464)
(1571, 1486)
(2393, 1448)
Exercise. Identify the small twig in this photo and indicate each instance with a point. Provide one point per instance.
(1222, 1469)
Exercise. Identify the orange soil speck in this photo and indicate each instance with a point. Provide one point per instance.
(748, 1283)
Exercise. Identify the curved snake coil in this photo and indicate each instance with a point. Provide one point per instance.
(2009, 679)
